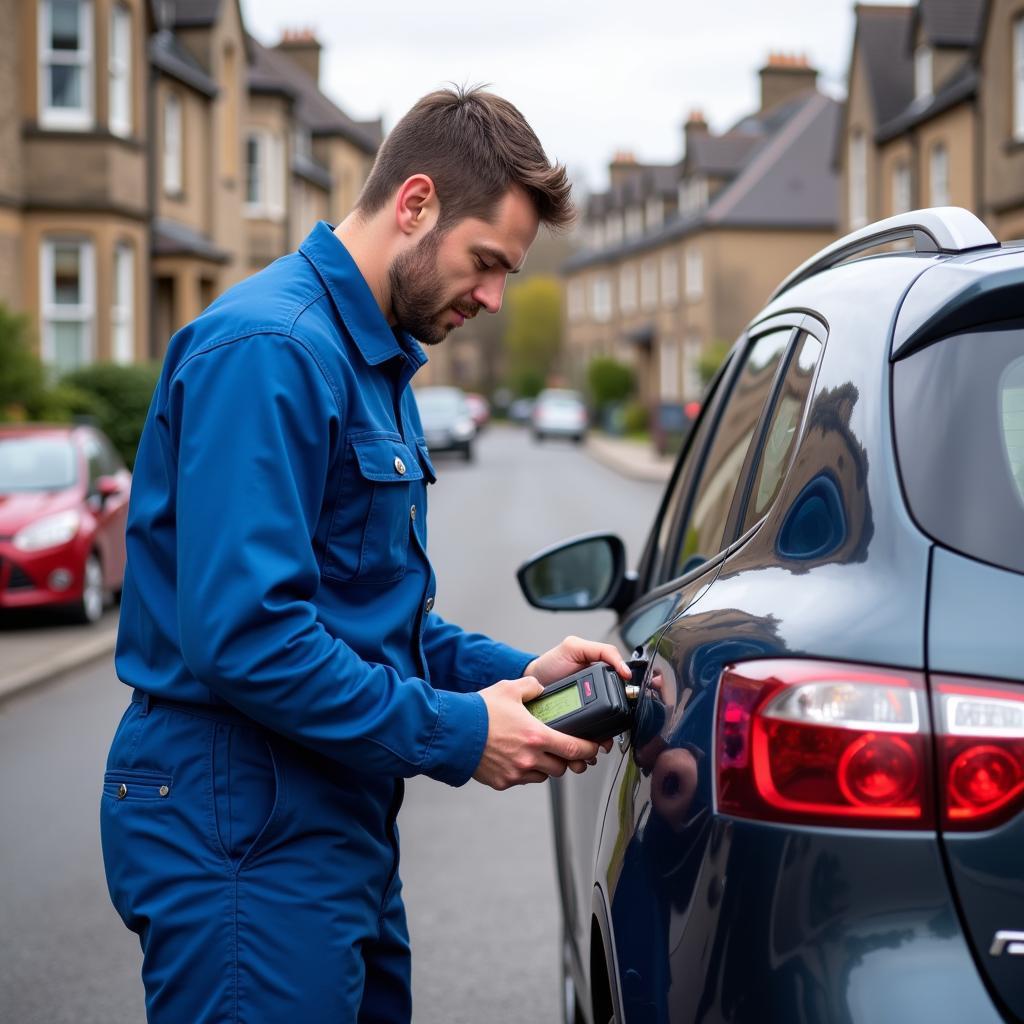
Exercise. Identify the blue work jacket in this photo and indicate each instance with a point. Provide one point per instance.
(277, 533)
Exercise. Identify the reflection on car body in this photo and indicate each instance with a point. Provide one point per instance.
(816, 814)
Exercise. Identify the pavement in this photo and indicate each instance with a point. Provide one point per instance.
(34, 652)
(636, 459)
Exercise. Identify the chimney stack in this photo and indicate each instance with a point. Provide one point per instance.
(785, 76)
(695, 125)
(622, 168)
(301, 46)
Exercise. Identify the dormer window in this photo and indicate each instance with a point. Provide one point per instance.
(693, 195)
(634, 222)
(655, 212)
(923, 73)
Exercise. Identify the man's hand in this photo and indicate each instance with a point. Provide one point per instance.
(570, 656)
(520, 748)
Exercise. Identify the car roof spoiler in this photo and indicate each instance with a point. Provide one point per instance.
(945, 229)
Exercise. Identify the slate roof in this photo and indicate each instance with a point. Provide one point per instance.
(787, 182)
(960, 86)
(195, 13)
(884, 38)
(954, 23)
(271, 71)
(167, 54)
(173, 239)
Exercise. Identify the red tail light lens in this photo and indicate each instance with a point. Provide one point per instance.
(981, 752)
(824, 744)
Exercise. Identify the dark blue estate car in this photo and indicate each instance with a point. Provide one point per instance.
(816, 815)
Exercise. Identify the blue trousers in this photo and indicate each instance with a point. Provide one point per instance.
(261, 879)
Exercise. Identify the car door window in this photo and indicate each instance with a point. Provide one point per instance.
(781, 435)
(94, 458)
(701, 537)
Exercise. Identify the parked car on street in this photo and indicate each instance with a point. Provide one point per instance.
(559, 412)
(479, 408)
(447, 420)
(520, 410)
(63, 505)
(816, 814)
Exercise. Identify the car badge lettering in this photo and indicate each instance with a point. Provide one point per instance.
(1010, 943)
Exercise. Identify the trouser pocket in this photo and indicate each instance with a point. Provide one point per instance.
(247, 790)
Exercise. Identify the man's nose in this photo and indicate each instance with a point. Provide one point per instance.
(488, 294)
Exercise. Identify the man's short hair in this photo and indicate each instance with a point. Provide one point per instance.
(474, 146)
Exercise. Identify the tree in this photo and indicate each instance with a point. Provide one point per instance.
(710, 359)
(533, 337)
(22, 378)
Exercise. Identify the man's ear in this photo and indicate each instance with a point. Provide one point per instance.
(416, 205)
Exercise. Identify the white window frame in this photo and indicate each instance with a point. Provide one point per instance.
(122, 314)
(173, 136)
(119, 67)
(634, 222)
(66, 118)
(694, 274)
(668, 368)
(938, 175)
(669, 280)
(627, 289)
(923, 83)
(654, 212)
(901, 191)
(613, 230)
(52, 312)
(1018, 79)
(693, 385)
(858, 180)
(649, 285)
(269, 203)
(601, 299)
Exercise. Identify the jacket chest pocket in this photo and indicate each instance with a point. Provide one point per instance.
(369, 537)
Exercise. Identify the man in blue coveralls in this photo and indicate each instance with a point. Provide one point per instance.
(277, 622)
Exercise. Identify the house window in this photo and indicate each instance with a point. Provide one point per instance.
(302, 141)
(65, 64)
(68, 304)
(693, 196)
(693, 383)
(901, 200)
(858, 180)
(649, 284)
(669, 280)
(123, 311)
(264, 169)
(119, 66)
(613, 229)
(627, 288)
(694, 274)
(655, 212)
(923, 73)
(601, 299)
(577, 307)
(939, 175)
(173, 149)
(669, 370)
(1018, 79)
(634, 222)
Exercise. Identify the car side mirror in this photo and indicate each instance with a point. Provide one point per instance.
(577, 575)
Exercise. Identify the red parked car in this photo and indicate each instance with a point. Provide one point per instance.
(63, 506)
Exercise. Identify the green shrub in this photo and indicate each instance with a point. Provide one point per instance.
(710, 359)
(64, 402)
(121, 397)
(22, 378)
(609, 381)
(636, 418)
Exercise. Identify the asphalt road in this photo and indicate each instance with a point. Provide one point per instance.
(477, 865)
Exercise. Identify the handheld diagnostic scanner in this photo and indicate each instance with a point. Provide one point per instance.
(592, 704)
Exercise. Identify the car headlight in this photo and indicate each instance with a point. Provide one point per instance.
(48, 532)
(464, 429)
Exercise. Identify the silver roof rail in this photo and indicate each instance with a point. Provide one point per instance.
(950, 229)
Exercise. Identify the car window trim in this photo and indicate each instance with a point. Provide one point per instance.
(771, 325)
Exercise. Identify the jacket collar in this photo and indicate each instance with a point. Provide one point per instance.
(354, 300)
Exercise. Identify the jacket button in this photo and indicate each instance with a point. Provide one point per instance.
(412, 512)
(399, 466)
(122, 791)
(164, 790)
(430, 604)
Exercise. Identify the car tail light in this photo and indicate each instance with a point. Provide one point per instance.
(823, 743)
(981, 751)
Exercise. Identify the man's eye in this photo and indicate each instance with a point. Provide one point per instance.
(481, 265)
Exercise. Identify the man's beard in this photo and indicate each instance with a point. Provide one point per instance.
(417, 292)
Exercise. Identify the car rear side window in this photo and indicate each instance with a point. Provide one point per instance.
(959, 419)
(702, 537)
(782, 431)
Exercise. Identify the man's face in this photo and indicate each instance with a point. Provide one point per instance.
(449, 277)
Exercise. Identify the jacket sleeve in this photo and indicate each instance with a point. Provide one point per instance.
(253, 422)
(466, 662)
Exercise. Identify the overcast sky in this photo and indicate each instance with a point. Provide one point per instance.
(591, 78)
